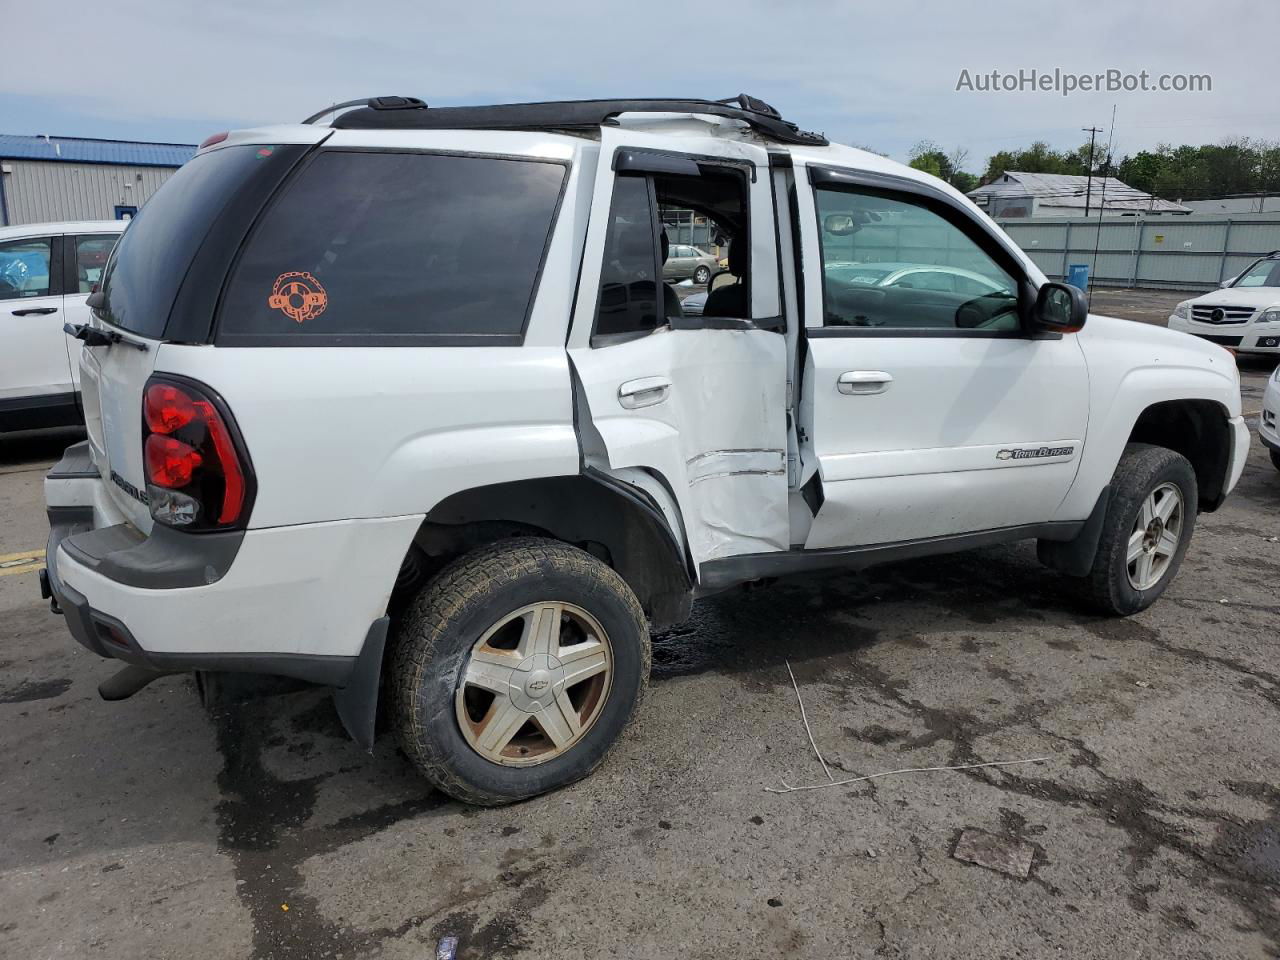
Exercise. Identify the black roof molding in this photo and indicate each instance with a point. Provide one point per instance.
(410, 113)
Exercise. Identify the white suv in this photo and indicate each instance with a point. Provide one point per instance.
(401, 405)
(1243, 314)
(47, 271)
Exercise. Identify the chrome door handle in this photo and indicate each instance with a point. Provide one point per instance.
(860, 382)
(644, 392)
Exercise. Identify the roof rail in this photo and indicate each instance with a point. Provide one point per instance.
(410, 113)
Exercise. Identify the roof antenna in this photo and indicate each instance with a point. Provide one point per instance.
(1102, 205)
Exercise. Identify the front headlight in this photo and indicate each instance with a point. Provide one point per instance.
(1270, 316)
(1183, 310)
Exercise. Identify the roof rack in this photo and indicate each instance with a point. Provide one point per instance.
(410, 113)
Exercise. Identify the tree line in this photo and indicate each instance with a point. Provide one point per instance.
(1241, 165)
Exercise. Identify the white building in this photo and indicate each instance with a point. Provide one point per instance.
(1016, 194)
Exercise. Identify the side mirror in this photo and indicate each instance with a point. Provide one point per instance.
(840, 224)
(1060, 308)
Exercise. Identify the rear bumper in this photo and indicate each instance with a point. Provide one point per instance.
(295, 601)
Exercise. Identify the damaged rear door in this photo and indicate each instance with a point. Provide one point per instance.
(698, 401)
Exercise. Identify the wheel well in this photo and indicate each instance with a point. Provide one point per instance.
(615, 522)
(1198, 430)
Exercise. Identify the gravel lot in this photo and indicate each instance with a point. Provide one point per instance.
(152, 828)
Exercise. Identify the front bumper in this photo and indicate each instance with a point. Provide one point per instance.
(1242, 337)
(295, 601)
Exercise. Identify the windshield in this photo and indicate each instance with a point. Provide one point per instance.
(153, 255)
(1264, 273)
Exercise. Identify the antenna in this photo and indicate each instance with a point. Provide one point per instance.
(1097, 236)
(1088, 188)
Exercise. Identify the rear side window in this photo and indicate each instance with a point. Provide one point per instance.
(155, 253)
(25, 268)
(375, 247)
(91, 256)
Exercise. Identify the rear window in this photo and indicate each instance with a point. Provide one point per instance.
(379, 247)
(152, 257)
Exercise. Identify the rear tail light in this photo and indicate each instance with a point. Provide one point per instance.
(198, 474)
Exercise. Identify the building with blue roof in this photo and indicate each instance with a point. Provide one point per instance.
(50, 179)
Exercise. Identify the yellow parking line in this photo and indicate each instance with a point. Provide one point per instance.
(28, 562)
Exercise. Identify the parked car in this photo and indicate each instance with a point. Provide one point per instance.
(687, 262)
(402, 406)
(938, 277)
(1269, 428)
(47, 270)
(1244, 314)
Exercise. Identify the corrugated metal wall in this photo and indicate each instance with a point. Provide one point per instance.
(1178, 253)
(37, 191)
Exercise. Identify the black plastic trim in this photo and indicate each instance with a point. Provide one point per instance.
(1269, 444)
(76, 464)
(39, 412)
(165, 560)
(1075, 557)
(568, 115)
(357, 698)
(904, 333)
(726, 572)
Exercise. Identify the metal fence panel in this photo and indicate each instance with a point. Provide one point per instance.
(1189, 253)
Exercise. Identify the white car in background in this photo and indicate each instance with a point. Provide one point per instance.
(1244, 314)
(47, 271)
(1269, 425)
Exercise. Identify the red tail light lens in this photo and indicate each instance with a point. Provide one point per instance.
(198, 475)
(166, 408)
(171, 463)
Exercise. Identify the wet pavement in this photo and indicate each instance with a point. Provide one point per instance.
(155, 828)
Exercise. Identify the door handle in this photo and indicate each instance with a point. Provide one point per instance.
(34, 310)
(644, 392)
(864, 382)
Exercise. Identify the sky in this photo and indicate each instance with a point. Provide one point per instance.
(882, 75)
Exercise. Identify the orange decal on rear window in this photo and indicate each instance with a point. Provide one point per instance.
(298, 295)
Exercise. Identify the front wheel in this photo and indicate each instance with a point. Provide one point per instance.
(1275, 459)
(516, 669)
(701, 275)
(1146, 532)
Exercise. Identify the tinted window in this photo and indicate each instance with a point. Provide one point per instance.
(864, 233)
(24, 268)
(628, 289)
(393, 245)
(153, 255)
(91, 258)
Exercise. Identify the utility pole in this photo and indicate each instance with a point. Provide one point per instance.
(1088, 190)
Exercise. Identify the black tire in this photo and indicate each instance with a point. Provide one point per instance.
(433, 645)
(1275, 459)
(702, 275)
(1142, 469)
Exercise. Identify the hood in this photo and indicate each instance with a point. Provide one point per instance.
(1255, 297)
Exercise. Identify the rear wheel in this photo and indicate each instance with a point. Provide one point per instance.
(516, 669)
(1146, 532)
(702, 275)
